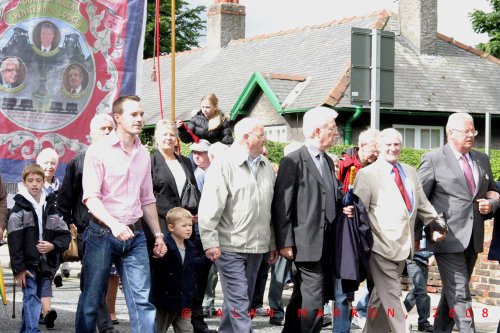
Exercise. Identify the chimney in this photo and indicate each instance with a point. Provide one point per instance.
(225, 22)
(418, 24)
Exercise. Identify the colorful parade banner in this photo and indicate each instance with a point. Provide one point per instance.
(61, 62)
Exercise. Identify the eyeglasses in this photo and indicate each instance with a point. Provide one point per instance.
(467, 132)
(260, 136)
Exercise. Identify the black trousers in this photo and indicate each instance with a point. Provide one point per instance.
(304, 313)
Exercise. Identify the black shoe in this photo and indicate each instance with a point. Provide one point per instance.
(425, 327)
(115, 322)
(41, 321)
(110, 330)
(58, 281)
(276, 321)
(50, 318)
(65, 273)
(327, 320)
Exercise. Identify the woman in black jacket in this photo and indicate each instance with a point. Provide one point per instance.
(171, 172)
(209, 123)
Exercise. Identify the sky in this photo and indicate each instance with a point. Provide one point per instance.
(266, 16)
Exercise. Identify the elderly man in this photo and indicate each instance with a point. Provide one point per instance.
(456, 179)
(235, 220)
(304, 209)
(393, 197)
(10, 72)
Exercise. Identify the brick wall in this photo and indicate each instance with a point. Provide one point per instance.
(485, 280)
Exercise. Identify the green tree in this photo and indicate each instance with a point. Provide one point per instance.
(189, 26)
(488, 23)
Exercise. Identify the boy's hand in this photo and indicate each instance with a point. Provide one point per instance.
(21, 278)
(44, 247)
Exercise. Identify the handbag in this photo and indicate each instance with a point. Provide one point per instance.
(190, 198)
(71, 254)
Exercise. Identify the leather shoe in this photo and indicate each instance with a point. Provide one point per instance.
(50, 318)
(276, 321)
(58, 281)
(425, 327)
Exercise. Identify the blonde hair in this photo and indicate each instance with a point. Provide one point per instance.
(219, 117)
(176, 214)
(164, 125)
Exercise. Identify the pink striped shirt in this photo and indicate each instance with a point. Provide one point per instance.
(121, 180)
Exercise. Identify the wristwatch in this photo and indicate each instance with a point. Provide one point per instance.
(159, 234)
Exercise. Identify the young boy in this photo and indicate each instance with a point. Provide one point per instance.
(172, 282)
(37, 237)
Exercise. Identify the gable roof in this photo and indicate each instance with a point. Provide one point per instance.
(458, 78)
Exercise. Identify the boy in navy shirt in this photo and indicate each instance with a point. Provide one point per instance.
(172, 280)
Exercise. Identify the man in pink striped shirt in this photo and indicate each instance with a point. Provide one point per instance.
(118, 191)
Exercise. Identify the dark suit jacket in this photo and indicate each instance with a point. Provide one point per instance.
(172, 281)
(298, 209)
(164, 187)
(444, 184)
(494, 253)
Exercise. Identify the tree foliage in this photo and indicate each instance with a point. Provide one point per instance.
(488, 23)
(189, 26)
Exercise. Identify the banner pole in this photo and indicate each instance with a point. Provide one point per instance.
(173, 59)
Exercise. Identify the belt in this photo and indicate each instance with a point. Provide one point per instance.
(134, 226)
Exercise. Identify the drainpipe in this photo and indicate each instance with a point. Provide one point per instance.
(348, 127)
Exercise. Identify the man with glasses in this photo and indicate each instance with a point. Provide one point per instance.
(303, 211)
(456, 178)
(235, 222)
(10, 72)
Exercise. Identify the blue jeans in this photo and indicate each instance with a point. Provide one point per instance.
(341, 320)
(418, 295)
(131, 259)
(362, 305)
(32, 305)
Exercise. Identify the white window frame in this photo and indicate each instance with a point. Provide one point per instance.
(418, 129)
(279, 137)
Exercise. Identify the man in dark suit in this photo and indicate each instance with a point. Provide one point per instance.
(304, 208)
(456, 178)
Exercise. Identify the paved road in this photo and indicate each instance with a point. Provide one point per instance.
(66, 298)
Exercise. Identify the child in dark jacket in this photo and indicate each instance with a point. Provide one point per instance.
(37, 236)
(172, 280)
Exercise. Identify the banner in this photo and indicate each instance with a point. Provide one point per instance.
(61, 62)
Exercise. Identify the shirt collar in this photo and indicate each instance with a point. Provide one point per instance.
(313, 150)
(240, 155)
(458, 155)
(115, 140)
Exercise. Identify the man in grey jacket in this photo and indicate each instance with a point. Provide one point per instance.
(235, 220)
(456, 178)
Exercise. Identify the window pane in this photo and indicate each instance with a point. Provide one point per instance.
(409, 138)
(425, 139)
(435, 136)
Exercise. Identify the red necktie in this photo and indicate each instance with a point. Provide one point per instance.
(399, 183)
